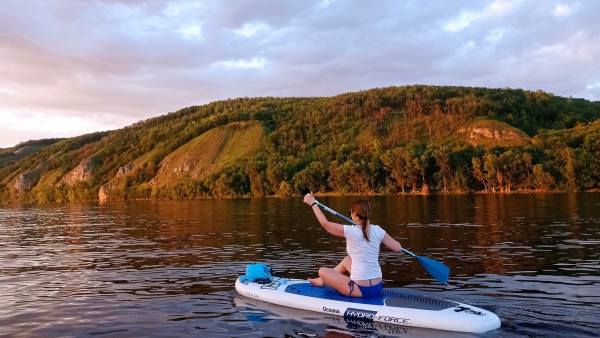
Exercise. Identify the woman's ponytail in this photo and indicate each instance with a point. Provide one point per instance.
(363, 211)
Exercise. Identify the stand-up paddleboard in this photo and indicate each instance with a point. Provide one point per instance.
(398, 307)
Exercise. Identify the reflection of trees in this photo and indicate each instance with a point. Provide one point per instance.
(490, 215)
(425, 225)
(488, 233)
(523, 232)
(191, 244)
(472, 234)
(237, 229)
(574, 222)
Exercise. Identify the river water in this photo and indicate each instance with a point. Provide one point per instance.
(168, 268)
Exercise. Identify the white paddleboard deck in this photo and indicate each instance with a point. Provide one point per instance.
(400, 307)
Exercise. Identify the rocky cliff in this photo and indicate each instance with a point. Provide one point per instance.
(80, 173)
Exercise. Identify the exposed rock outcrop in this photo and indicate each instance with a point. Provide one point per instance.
(105, 189)
(491, 133)
(102, 193)
(494, 133)
(125, 169)
(82, 172)
(29, 179)
(26, 181)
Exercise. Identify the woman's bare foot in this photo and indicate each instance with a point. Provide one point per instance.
(316, 281)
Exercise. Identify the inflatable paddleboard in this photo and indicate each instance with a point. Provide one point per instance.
(399, 307)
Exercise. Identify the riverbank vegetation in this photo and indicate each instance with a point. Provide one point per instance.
(411, 139)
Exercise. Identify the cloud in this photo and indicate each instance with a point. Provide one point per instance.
(495, 35)
(114, 62)
(563, 10)
(462, 21)
(193, 31)
(594, 86)
(251, 29)
(22, 124)
(255, 62)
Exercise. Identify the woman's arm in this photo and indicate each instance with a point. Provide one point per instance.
(391, 243)
(335, 229)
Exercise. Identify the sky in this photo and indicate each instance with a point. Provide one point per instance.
(72, 67)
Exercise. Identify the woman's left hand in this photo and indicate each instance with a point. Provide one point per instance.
(309, 199)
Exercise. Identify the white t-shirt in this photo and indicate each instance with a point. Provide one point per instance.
(364, 254)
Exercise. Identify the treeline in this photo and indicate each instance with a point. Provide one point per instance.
(566, 160)
(385, 140)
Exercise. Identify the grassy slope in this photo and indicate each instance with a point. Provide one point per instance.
(212, 151)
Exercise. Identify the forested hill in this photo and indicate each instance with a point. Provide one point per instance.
(411, 139)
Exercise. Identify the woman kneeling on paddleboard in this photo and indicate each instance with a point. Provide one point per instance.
(362, 244)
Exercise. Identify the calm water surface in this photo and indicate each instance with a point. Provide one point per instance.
(167, 269)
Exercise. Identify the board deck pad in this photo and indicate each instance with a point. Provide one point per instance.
(407, 300)
(393, 298)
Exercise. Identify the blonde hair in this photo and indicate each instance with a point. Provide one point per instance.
(362, 209)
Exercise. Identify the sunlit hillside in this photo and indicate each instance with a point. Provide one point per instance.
(412, 139)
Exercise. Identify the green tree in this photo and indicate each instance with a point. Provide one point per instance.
(285, 189)
(587, 169)
(442, 160)
(314, 176)
(397, 161)
(514, 168)
(256, 172)
(478, 172)
(493, 176)
(275, 174)
(570, 163)
(419, 168)
(338, 178)
(358, 177)
(221, 187)
(542, 180)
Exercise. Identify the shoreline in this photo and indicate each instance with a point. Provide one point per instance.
(327, 194)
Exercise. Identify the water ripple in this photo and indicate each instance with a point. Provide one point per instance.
(168, 268)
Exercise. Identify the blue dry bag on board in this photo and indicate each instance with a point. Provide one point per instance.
(258, 272)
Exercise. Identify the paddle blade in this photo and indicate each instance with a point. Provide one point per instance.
(436, 269)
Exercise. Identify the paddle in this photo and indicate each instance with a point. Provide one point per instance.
(436, 269)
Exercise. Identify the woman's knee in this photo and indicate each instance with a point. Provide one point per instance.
(323, 271)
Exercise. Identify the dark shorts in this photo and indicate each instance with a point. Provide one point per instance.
(367, 291)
